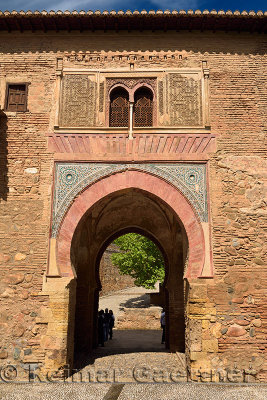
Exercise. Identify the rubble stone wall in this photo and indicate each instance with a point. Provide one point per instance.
(110, 278)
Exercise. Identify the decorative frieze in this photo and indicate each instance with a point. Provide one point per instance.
(122, 57)
(72, 178)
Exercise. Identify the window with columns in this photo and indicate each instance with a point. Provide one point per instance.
(127, 112)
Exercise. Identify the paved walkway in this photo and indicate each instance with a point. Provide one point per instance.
(128, 356)
(132, 341)
(133, 297)
(88, 391)
(118, 365)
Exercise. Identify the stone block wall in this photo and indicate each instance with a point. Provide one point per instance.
(142, 318)
(221, 344)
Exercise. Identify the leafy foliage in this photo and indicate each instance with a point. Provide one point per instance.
(140, 258)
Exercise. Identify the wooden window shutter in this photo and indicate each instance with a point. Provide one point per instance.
(16, 97)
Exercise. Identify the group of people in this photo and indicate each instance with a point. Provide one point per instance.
(106, 322)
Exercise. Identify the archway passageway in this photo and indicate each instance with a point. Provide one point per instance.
(124, 211)
(127, 201)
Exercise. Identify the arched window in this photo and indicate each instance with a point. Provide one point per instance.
(119, 108)
(143, 107)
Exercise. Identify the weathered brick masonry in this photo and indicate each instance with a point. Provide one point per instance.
(225, 307)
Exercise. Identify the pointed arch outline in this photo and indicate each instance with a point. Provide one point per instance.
(139, 180)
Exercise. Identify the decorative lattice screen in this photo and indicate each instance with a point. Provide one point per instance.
(119, 108)
(143, 108)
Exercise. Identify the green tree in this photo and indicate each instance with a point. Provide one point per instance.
(140, 258)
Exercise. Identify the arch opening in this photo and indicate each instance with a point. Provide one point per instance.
(119, 107)
(143, 107)
(127, 200)
(124, 211)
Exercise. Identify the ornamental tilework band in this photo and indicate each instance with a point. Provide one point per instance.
(72, 178)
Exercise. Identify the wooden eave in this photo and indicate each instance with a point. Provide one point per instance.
(133, 21)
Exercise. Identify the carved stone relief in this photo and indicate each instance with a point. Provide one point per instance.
(184, 100)
(78, 101)
(130, 82)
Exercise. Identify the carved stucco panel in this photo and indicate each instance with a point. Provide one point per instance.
(130, 82)
(161, 97)
(184, 99)
(78, 101)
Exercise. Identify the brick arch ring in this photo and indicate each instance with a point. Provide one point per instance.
(126, 180)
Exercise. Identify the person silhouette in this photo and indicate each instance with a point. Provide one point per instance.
(111, 323)
(101, 327)
(106, 324)
(163, 325)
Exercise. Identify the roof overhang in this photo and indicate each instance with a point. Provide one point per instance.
(133, 21)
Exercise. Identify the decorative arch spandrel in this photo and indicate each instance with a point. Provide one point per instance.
(79, 185)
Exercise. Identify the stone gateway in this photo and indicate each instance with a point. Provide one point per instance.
(153, 123)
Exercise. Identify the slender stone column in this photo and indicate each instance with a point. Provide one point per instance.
(57, 96)
(205, 98)
(131, 121)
